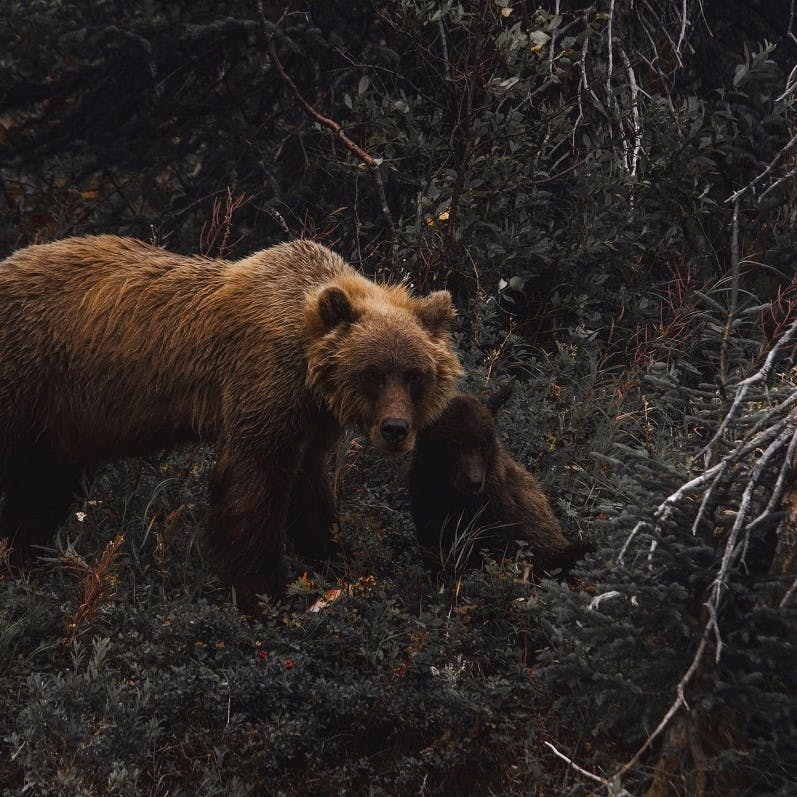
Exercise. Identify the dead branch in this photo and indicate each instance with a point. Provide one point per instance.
(778, 435)
(681, 33)
(788, 594)
(711, 475)
(609, 49)
(769, 167)
(572, 764)
(743, 387)
(636, 119)
(444, 48)
(734, 300)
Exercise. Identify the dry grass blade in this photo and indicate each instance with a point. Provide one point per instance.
(97, 584)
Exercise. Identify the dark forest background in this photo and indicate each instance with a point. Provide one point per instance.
(608, 190)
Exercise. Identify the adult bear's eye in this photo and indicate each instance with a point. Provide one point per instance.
(415, 379)
(372, 376)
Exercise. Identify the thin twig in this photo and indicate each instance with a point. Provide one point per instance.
(788, 594)
(636, 121)
(680, 701)
(444, 48)
(585, 772)
(732, 554)
(660, 27)
(790, 86)
(731, 315)
(681, 34)
(785, 472)
(775, 183)
(770, 166)
(791, 81)
(467, 149)
(552, 43)
(744, 505)
(325, 121)
(584, 86)
(610, 50)
(637, 528)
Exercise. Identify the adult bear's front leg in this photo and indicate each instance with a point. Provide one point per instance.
(38, 493)
(247, 522)
(312, 513)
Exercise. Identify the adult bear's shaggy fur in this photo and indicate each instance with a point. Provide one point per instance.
(110, 346)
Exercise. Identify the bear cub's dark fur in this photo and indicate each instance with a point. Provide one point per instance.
(468, 494)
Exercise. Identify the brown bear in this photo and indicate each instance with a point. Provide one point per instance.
(468, 494)
(110, 346)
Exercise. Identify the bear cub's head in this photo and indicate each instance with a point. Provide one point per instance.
(461, 446)
(380, 359)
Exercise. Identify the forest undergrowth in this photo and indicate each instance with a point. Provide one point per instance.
(608, 191)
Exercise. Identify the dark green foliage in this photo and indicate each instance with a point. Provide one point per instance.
(618, 230)
(370, 692)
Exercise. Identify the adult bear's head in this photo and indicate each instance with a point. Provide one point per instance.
(380, 359)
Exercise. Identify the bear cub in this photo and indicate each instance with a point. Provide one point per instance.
(468, 494)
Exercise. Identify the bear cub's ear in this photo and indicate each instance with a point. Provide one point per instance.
(335, 307)
(435, 312)
(496, 400)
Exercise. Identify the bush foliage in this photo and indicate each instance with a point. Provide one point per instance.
(608, 191)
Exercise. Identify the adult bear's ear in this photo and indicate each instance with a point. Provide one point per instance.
(435, 312)
(334, 307)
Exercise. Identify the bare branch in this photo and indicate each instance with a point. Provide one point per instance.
(680, 701)
(791, 81)
(791, 85)
(636, 120)
(639, 526)
(742, 388)
(777, 490)
(785, 430)
(585, 772)
(661, 28)
(775, 183)
(732, 553)
(444, 48)
(731, 314)
(610, 50)
(682, 33)
(325, 121)
(756, 180)
(552, 43)
(785, 472)
(788, 594)
(664, 510)
(790, 29)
